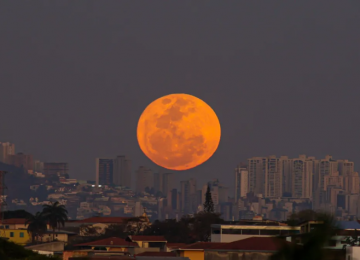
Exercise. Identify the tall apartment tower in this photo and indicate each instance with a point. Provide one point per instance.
(302, 176)
(168, 182)
(286, 174)
(265, 176)
(188, 194)
(104, 171)
(273, 177)
(6, 150)
(122, 171)
(56, 169)
(145, 178)
(241, 182)
(158, 182)
(257, 174)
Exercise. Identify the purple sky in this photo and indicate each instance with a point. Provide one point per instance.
(282, 76)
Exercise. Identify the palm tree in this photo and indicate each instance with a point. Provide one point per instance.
(36, 225)
(56, 215)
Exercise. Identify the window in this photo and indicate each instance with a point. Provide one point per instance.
(7, 226)
(21, 234)
(11, 234)
(231, 231)
(250, 231)
(270, 232)
(215, 230)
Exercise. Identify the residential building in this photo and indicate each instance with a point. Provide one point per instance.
(56, 169)
(188, 194)
(145, 178)
(302, 176)
(168, 182)
(241, 182)
(230, 233)
(18, 236)
(122, 171)
(22, 160)
(104, 171)
(6, 150)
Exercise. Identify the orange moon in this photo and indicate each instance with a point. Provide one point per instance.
(178, 131)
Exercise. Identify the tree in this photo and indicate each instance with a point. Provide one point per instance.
(313, 243)
(12, 251)
(20, 213)
(209, 204)
(36, 225)
(304, 215)
(56, 215)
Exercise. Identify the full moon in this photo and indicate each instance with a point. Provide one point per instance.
(178, 131)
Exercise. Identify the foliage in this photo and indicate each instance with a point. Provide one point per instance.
(189, 229)
(56, 215)
(12, 251)
(353, 240)
(36, 225)
(304, 215)
(313, 243)
(209, 204)
(17, 214)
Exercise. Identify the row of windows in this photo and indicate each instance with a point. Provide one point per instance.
(13, 235)
(270, 232)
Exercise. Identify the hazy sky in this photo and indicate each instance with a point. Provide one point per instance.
(282, 76)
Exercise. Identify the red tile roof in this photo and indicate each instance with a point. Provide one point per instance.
(175, 245)
(110, 220)
(111, 242)
(202, 246)
(157, 254)
(148, 238)
(13, 221)
(253, 244)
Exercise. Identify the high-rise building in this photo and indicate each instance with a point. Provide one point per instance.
(145, 178)
(265, 176)
(302, 176)
(257, 173)
(122, 171)
(104, 171)
(158, 182)
(38, 166)
(286, 175)
(6, 150)
(22, 161)
(273, 177)
(188, 194)
(56, 169)
(241, 182)
(168, 182)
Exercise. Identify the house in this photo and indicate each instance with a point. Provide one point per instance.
(196, 251)
(15, 223)
(230, 233)
(248, 248)
(149, 241)
(109, 244)
(18, 236)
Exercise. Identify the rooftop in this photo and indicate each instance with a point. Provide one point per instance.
(111, 242)
(110, 220)
(156, 254)
(148, 238)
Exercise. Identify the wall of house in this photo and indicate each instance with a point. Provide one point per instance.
(18, 236)
(192, 254)
(214, 255)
